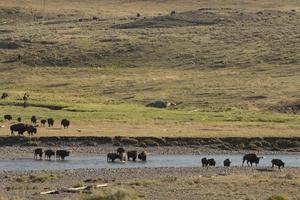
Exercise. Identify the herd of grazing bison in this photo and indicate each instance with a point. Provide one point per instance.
(31, 129)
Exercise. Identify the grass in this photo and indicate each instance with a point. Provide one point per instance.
(117, 194)
(231, 78)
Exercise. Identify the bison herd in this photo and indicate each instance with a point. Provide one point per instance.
(248, 158)
(59, 154)
(31, 129)
(124, 156)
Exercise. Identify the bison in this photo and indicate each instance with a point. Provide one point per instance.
(19, 119)
(142, 156)
(61, 154)
(48, 154)
(277, 162)
(33, 119)
(38, 152)
(20, 128)
(120, 150)
(111, 157)
(251, 158)
(31, 130)
(43, 122)
(65, 123)
(132, 155)
(208, 162)
(7, 117)
(4, 95)
(50, 122)
(227, 163)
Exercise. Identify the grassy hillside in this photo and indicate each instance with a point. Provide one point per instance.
(234, 67)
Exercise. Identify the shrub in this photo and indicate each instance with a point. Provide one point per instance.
(150, 142)
(129, 141)
(119, 194)
(287, 144)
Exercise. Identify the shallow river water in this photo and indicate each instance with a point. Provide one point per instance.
(94, 162)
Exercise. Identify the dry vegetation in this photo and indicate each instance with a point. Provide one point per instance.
(232, 65)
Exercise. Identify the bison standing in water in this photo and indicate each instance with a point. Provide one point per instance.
(38, 152)
(111, 157)
(251, 158)
(277, 162)
(48, 154)
(31, 130)
(65, 123)
(132, 155)
(7, 117)
(208, 162)
(20, 128)
(227, 163)
(61, 154)
(50, 122)
(142, 156)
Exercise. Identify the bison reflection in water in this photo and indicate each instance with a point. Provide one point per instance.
(251, 158)
(277, 162)
(38, 152)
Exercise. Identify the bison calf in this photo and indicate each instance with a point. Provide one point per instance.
(277, 162)
(7, 117)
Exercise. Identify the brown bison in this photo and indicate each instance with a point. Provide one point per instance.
(227, 163)
(208, 162)
(43, 122)
(20, 128)
(48, 154)
(61, 154)
(251, 158)
(132, 155)
(142, 156)
(31, 130)
(277, 162)
(111, 157)
(65, 123)
(50, 122)
(33, 119)
(7, 117)
(38, 152)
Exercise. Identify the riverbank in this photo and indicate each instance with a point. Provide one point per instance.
(158, 183)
